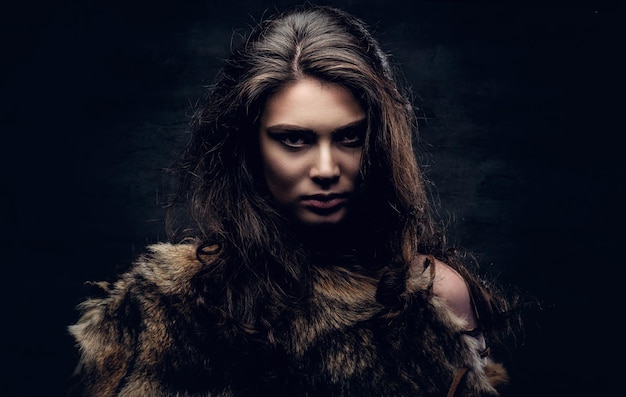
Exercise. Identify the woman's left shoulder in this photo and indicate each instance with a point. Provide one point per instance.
(445, 283)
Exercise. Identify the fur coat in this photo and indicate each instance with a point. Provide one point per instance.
(150, 334)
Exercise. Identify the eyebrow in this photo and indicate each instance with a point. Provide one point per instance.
(296, 128)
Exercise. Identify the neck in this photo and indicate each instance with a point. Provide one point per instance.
(345, 244)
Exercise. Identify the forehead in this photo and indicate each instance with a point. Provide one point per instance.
(312, 103)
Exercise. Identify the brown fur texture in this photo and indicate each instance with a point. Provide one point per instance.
(152, 334)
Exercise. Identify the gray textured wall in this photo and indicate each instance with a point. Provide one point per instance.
(519, 139)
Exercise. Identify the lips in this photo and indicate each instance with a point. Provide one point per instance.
(325, 203)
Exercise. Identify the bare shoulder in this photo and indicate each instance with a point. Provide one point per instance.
(449, 285)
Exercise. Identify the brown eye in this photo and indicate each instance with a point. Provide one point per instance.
(292, 139)
(352, 137)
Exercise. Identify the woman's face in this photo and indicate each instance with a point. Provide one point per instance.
(311, 139)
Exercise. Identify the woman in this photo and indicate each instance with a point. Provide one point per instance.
(306, 260)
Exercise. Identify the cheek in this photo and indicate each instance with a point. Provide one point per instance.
(352, 167)
(282, 174)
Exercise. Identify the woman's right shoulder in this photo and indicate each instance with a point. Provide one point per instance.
(167, 265)
(163, 270)
(135, 315)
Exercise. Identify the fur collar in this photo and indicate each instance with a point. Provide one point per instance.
(151, 333)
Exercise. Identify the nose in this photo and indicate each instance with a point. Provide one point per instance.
(325, 169)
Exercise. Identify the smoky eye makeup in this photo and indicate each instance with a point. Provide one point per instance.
(292, 137)
(351, 135)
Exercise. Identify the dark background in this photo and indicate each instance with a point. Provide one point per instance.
(520, 136)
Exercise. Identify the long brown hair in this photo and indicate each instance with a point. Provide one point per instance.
(222, 200)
